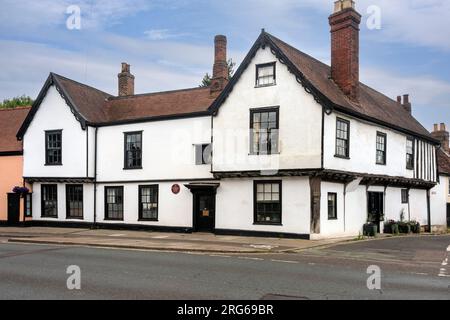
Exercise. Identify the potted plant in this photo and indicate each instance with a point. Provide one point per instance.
(404, 227)
(370, 229)
(21, 190)
(391, 227)
(415, 226)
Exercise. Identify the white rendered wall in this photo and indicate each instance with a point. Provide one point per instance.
(395, 207)
(54, 114)
(418, 203)
(300, 122)
(174, 210)
(234, 206)
(363, 149)
(168, 150)
(439, 196)
(88, 204)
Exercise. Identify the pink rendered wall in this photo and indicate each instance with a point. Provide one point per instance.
(11, 169)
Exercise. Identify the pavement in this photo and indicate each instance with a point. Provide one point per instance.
(158, 241)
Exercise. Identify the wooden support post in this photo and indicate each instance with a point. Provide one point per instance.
(315, 185)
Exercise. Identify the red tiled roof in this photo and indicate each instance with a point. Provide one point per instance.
(10, 122)
(101, 108)
(444, 162)
(371, 102)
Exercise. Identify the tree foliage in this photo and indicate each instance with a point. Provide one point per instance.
(206, 82)
(15, 102)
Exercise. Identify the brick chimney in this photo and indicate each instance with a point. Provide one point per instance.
(440, 133)
(126, 81)
(344, 24)
(407, 104)
(220, 70)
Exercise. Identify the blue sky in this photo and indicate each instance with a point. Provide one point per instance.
(169, 43)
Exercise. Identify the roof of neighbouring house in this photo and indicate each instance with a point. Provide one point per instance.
(10, 122)
(95, 107)
(444, 162)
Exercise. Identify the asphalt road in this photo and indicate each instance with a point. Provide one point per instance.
(412, 268)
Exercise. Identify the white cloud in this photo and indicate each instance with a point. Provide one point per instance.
(163, 34)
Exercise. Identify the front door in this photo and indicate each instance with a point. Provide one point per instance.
(376, 208)
(204, 211)
(13, 208)
(448, 215)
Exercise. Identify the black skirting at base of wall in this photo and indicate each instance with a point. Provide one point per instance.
(261, 234)
(18, 224)
(110, 226)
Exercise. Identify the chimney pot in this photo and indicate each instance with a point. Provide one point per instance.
(399, 99)
(440, 133)
(344, 24)
(126, 81)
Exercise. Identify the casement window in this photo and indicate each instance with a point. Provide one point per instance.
(49, 201)
(405, 196)
(148, 203)
(74, 201)
(203, 154)
(266, 74)
(267, 202)
(133, 150)
(342, 138)
(264, 131)
(332, 206)
(381, 148)
(28, 205)
(410, 153)
(114, 203)
(53, 148)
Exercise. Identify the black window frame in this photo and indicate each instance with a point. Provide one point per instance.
(140, 202)
(265, 65)
(48, 149)
(126, 165)
(269, 150)
(28, 206)
(255, 202)
(405, 196)
(43, 201)
(410, 160)
(330, 216)
(107, 211)
(69, 200)
(338, 139)
(200, 150)
(384, 135)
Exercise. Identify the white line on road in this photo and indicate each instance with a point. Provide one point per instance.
(249, 258)
(448, 249)
(444, 275)
(284, 261)
(420, 273)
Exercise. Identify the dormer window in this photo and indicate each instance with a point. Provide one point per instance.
(265, 75)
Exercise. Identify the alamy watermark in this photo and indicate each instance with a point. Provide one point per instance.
(374, 280)
(73, 22)
(74, 279)
(374, 20)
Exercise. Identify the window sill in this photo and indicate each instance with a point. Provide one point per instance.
(137, 168)
(267, 224)
(265, 154)
(341, 157)
(148, 220)
(53, 165)
(381, 164)
(410, 169)
(265, 86)
(48, 217)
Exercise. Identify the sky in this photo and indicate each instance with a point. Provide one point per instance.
(169, 43)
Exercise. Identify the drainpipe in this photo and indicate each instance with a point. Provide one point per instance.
(95, 178)
(429, 210)
(409, 204)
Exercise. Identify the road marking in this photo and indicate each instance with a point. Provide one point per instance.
(421, 274)
(117, 235)
(444, 275)
(249, 258)
(160, 237)
(284, 261)
(448, 249)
